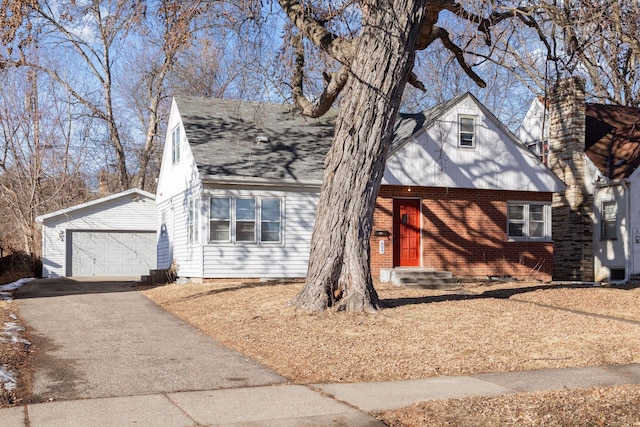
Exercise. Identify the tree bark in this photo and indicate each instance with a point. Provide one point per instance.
(339, 274)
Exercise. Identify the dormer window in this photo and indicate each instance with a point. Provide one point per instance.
(467, 131)
(175, 145)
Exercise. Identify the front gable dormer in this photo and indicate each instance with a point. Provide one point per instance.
(463, 145)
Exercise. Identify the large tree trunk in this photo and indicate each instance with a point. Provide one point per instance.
(339, 274)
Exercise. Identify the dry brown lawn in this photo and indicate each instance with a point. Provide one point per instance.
(477, 328)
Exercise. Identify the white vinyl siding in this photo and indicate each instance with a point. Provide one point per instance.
(433, 158)
(165, 236)
(187, 256)
(528, 221)
(287, 258)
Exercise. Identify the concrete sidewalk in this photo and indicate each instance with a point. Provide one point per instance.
(298, 405)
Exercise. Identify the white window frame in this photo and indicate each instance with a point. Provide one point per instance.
(526, 222)
(263, 220)
(473, 134)
(175, 144)
(227, 219)
(246, 220)
(193, 219)
(257, 220)
(604, 235)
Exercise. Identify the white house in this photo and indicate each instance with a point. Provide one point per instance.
(597, 152)
(238, 188)
(111, 236)
(240, 181)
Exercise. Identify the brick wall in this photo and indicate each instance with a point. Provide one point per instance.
(572, 210)
(464, 231)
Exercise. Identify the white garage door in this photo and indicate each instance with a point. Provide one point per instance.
(112, 253)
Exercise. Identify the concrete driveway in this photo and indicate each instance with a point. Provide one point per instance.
(103, 339)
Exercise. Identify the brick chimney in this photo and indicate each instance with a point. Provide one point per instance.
(572, 210)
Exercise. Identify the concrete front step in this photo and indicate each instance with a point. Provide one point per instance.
(413, 277)
(156, 277)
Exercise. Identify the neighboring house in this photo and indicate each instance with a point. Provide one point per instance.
(595, 149)
(240, 181)
(111, 236)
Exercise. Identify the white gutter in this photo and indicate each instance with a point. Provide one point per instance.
(209, 179)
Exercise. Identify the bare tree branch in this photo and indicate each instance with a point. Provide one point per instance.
(335, 83)
(443, 35)
(337, 47)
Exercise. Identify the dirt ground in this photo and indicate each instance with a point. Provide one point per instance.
(14, 357)
(477, 328)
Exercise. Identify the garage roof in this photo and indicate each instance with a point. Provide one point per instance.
(132, 192)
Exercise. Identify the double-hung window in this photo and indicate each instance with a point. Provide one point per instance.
(175, 145)
(609, 220)
(270, 223)
(528, 221)
(220, 219)
(467, 131)
(245, 220)
(194, 221)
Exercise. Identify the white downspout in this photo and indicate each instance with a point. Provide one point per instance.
(629, 243)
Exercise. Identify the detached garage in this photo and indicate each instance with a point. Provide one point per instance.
(110, 237)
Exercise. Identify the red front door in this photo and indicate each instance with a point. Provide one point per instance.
(406, 232)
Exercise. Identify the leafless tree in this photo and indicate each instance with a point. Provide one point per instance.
(40, 164)
(593, 39)
(375, 65)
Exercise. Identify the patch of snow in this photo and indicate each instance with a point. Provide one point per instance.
(7, 378)
(6, 293)
(11, 334)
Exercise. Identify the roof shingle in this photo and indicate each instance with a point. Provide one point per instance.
(613, 139)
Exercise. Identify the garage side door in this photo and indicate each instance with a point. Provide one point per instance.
(111, 253)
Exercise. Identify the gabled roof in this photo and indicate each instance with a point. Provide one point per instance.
(271, 143)
(133, 191)
(239, 139)
(408, 125)
(613, 139)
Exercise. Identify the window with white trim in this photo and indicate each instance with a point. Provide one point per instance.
(270, 220)
(245, 220)
(609, 220)
(194, 221)
(528, 221)
(220, 219)
(175, 145)
(467, 131)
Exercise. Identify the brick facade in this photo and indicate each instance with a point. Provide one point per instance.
(464, 231)
(572, 210)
